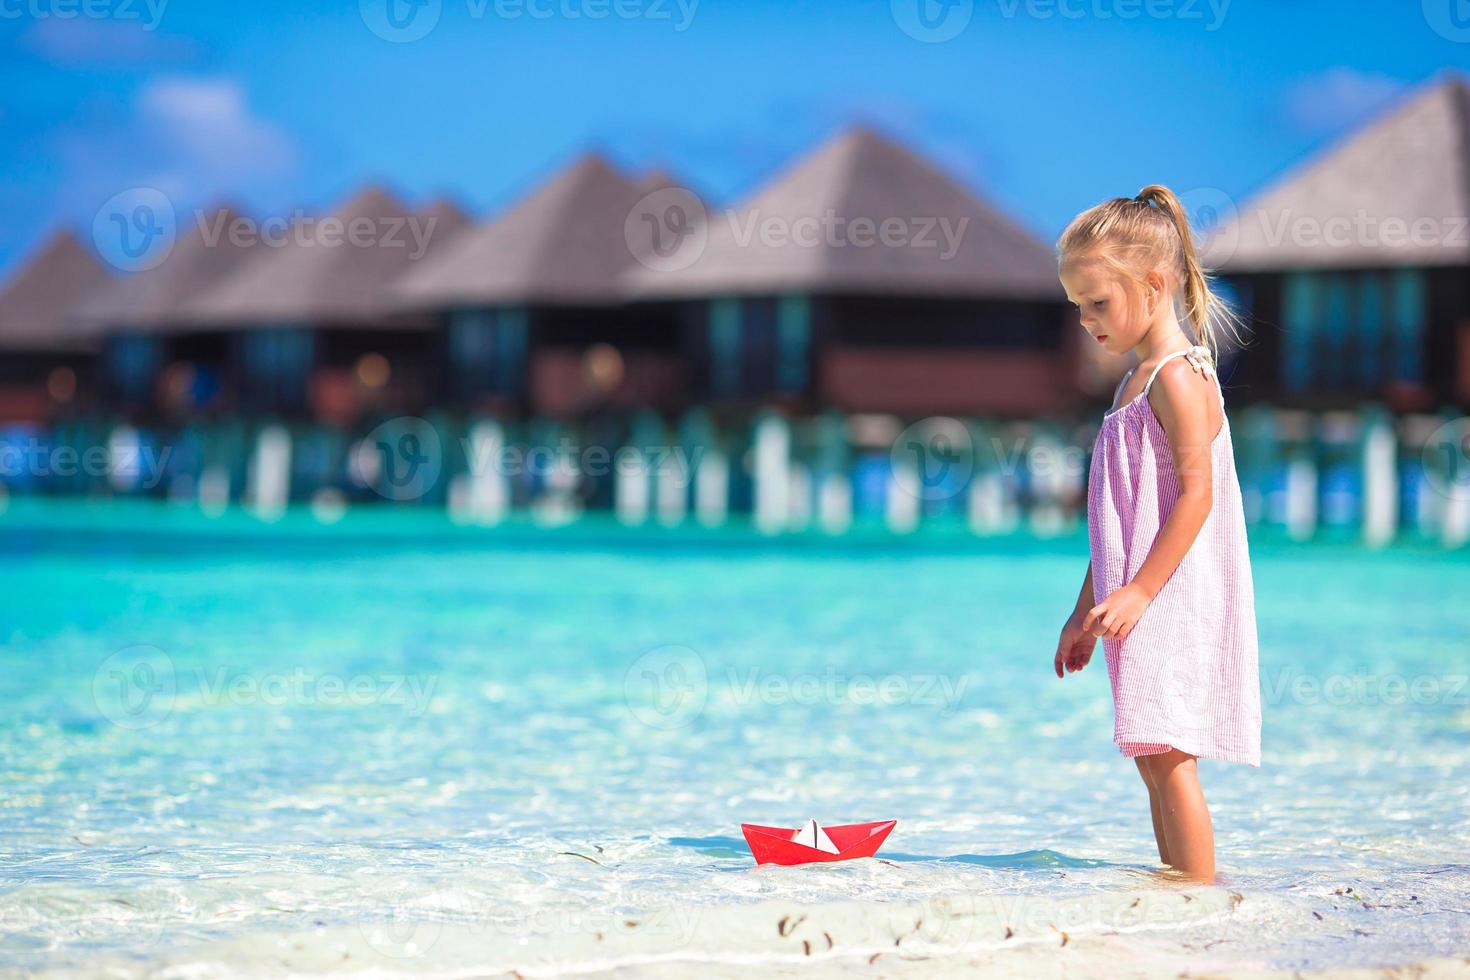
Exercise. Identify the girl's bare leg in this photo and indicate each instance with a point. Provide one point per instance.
(1154, 809)
(1185, 816)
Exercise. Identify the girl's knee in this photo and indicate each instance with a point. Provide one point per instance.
(1163, 765)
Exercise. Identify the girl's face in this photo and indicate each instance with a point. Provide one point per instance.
(1112, 313)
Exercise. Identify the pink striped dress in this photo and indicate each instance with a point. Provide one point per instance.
(1186, 676)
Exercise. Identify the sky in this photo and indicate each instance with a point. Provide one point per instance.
(1043, 106)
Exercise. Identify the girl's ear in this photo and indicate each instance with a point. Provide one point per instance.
(1154, 287)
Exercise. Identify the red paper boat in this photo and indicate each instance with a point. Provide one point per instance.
(775, 845)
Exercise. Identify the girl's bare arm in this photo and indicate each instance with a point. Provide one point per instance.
(1085, 598)
(1182, 404)
(1181, 399)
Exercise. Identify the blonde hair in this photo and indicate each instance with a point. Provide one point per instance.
(1134, 235)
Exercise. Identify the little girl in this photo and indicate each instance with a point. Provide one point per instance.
(1168, 589)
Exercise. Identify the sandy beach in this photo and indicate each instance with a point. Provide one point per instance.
(1194, 932)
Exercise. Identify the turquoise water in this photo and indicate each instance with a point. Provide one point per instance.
(216, 730)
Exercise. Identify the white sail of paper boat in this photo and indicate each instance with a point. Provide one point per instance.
(814, 836)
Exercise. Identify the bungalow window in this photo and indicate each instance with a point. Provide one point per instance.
(132, 364)
(487, 351)
(1348, 330)
(758, 345)
(1301, 310)
(1408, 324)
(793, 342)
(724, 346)
(1334, 342)
(1369, 353)
(277, 362)
(510, 352)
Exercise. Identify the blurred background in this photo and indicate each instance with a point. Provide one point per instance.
(685, 262)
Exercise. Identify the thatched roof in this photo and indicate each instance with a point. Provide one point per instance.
(562, 243)
(449, 219)
(204, 254)
(653, 179)
(1356, 204)
(871, 217)
(34, 303)
(329, 274)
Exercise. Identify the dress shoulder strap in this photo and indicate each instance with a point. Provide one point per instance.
(1121, 385)
(1203, 352)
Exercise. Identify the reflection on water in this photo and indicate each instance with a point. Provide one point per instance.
(412, 743)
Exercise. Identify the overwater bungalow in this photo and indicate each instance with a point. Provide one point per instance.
(45, 360)
(536, 316)
(147, 337)
(304, 323)
(864, 278)
(1352, 268)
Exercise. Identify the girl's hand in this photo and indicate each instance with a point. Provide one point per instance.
(1075, 647)
(1115, 617)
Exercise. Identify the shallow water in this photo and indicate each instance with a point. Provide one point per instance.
(432, 741)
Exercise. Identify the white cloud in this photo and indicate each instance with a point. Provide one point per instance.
(196, 139)
(212, 140)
